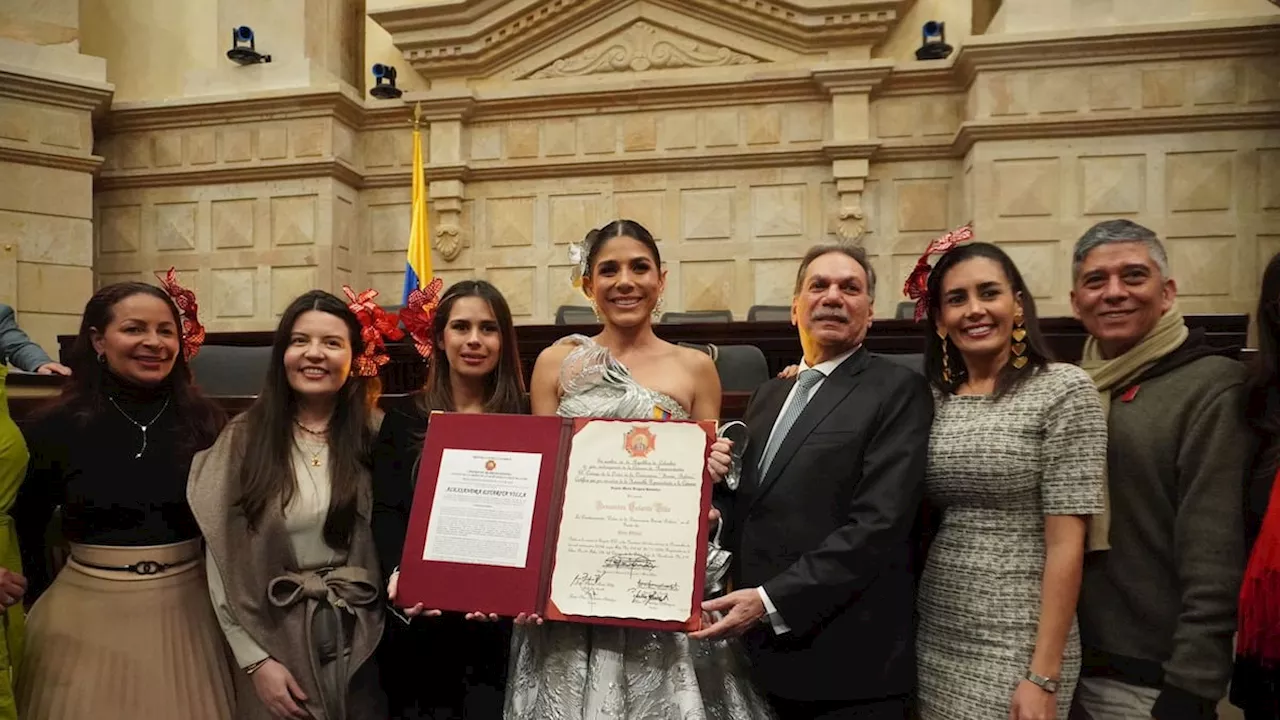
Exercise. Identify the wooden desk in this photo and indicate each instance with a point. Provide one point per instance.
(777, 340)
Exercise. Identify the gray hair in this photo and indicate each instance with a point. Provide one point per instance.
(857, 252)
(1109, 232)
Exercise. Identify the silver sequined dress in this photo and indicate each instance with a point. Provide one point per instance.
(572, 671)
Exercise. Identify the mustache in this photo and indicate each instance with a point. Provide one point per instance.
(829, 314)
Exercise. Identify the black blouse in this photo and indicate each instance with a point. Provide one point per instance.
(108, 495)
(435, 667)
(395, 457)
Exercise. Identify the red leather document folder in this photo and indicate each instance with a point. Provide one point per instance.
(511, 589)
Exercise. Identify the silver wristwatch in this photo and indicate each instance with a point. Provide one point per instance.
(1048, 685)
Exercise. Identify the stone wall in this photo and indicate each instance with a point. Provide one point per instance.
(738, 132)
(49, 93)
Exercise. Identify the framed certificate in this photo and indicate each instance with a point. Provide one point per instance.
(589, 520)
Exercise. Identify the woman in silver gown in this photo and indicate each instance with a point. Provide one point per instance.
(570, 671)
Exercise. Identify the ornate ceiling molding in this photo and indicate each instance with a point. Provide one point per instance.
(62, 92)
(641, 47)
(1150, 43)
(473, 38)
(1143, 43)
(974, 131)
(288, 170)
(568, 98)
(221, 111)
(49, 158)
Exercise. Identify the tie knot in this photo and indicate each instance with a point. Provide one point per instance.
(809, 378)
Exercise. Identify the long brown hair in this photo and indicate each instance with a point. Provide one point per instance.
(504, 387)
(83, 397)
(267, 480)
(1263, 399)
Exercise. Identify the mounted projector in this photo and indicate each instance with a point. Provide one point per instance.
(389, 91)
(242, 53)
(934, 42)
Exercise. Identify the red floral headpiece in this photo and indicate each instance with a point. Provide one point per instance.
(378, 326)
(192, 331)
(419, 315)
(917, 285)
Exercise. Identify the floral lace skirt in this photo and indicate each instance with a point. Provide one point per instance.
(570, 671)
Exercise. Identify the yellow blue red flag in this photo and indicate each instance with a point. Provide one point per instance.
(417, 268)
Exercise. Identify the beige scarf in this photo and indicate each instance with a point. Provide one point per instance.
(1111, 375)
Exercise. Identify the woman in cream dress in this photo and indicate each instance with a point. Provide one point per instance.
(284, 500)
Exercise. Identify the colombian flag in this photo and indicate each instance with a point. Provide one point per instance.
(417, 268)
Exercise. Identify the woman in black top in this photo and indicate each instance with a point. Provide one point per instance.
(126, 630)
(444, 667)
(1255, 686)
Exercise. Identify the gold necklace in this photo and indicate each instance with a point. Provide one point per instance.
(322, 434)
(311, 449)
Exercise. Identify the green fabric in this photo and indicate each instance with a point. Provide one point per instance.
(13, 467)
(1113, 374)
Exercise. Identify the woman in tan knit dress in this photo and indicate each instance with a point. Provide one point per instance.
(1017, 457)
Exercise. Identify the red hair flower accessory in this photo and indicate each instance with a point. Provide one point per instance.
(917, 285)
(378, 326)
(419, 314)
(192, 331)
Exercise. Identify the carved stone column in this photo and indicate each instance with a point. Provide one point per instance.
(850, 145)
(447, 169)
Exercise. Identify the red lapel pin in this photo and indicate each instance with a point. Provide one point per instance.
(1130, 394)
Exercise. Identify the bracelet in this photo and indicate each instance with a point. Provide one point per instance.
(1049, 685)
(254, 667)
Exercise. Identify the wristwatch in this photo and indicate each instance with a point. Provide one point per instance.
(1048, 685)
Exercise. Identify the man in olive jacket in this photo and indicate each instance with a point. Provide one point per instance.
(1157, 605)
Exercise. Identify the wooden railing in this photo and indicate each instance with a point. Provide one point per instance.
(779, 342)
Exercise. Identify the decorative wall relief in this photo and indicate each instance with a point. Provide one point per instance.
(852, 225)
(643, 47)
(448, 241)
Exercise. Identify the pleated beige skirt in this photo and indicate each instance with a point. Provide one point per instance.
(111, 645)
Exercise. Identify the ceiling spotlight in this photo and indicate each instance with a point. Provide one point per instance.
(242, 50)
(934, 42)
(388, 91)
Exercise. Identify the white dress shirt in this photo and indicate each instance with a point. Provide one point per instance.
(826, 368)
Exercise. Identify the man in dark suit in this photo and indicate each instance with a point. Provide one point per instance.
(821, 523)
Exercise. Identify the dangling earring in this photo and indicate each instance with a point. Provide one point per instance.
(1019, 347)
(594, 308)
(102, 358)
(657, 309)
(946, 364)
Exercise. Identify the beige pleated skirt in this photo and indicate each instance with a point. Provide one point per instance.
(112, 645)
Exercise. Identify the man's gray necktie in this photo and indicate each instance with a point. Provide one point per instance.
(804, 384)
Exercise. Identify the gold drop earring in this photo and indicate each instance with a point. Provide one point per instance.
(1019, 345)
(595, 308)
(946, 364)
(657, 309)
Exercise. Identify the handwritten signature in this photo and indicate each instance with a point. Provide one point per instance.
(628, 563)
(649, 597)
(643, 584)
(587, 579)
